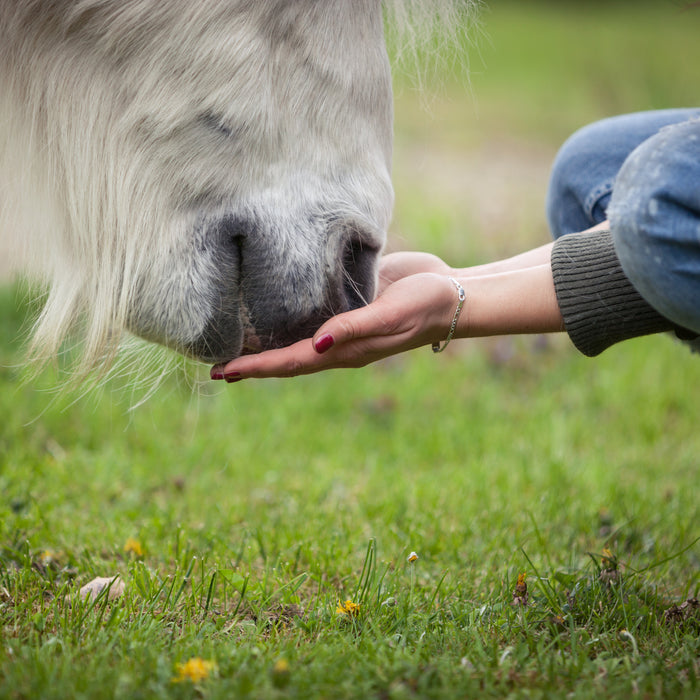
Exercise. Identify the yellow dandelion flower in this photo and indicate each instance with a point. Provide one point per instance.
(348, 608)
(412, 557)
(50, 556)
(281, 666)
(609, 559)
(194, 670)
(281, 673)
(133, 546)
(520, 594)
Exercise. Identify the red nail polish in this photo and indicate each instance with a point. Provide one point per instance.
(216, 373)
(325, 342)
(233, 377)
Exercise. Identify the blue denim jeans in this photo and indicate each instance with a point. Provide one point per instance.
(642, 172)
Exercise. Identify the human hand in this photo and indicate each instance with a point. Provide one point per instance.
(413, 311)
(395, 266)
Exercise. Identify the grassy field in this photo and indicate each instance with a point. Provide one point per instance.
(241, 519)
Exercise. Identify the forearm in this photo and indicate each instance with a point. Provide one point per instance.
(517, 301)
(531, 258)
(578, 287)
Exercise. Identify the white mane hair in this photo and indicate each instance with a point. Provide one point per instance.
(99, 150)
(411, 24)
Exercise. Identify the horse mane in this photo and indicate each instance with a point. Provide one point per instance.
(425, 37)
(428, 13)
(411, 24)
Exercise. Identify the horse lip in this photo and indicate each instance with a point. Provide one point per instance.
(251, 344)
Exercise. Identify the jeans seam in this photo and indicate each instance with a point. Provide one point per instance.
(596, 195)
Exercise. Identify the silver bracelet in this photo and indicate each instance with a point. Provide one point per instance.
(460, 303)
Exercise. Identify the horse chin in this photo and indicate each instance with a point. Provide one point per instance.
(225, 341)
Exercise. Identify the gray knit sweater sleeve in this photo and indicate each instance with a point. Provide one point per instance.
(599, 305)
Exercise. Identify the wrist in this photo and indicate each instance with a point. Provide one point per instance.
(454, 306)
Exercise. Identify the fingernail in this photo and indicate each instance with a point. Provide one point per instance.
(231, 377)
(216, 373)
(325, 342)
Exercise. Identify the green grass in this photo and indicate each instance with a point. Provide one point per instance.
(262, 505)
(265, 498)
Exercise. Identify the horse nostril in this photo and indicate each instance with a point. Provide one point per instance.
(358, 273)
(233, 230)
(229, 235)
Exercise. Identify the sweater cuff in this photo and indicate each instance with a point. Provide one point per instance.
(599, 304)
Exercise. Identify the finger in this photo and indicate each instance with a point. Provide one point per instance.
(348, 326)
(290, 361)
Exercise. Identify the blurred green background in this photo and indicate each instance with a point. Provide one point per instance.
(474, 148)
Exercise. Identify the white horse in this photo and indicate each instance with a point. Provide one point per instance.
(213, 176)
